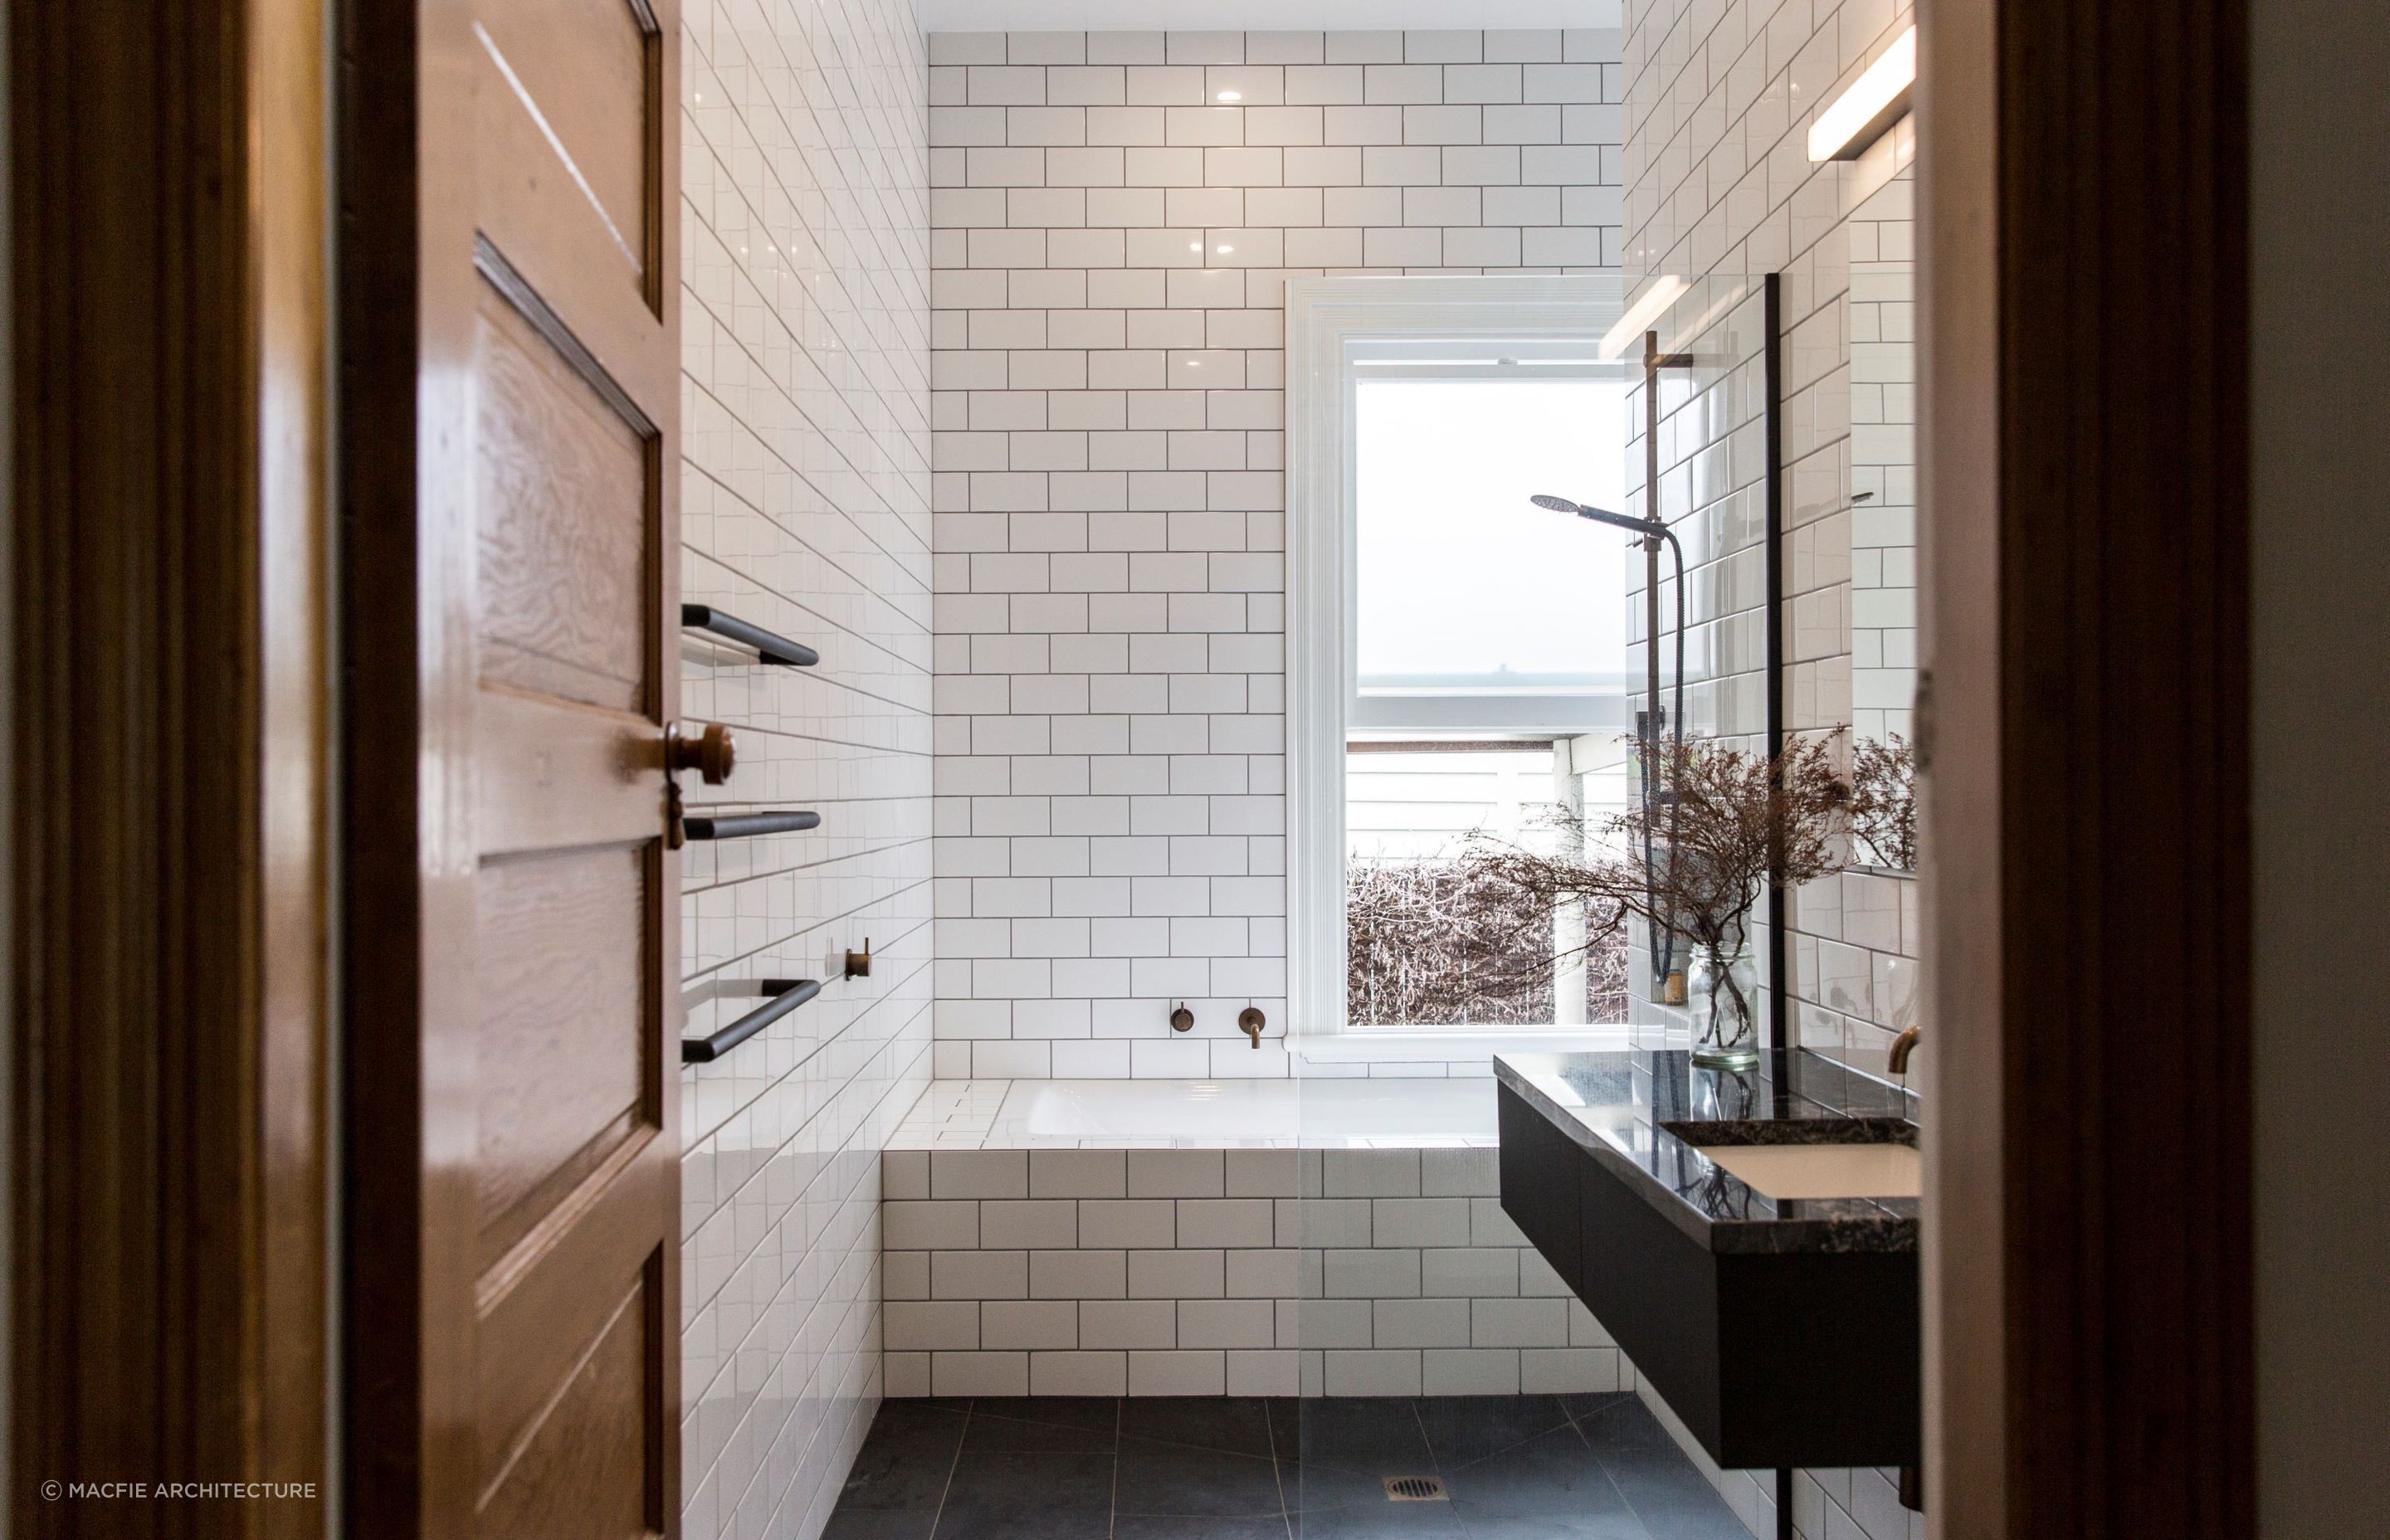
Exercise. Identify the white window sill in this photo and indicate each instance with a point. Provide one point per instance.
(1414, 1047)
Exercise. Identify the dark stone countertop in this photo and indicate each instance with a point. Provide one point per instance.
(1640, 1113)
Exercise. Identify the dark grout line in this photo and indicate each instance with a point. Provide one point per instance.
(1269, 1432)
(961, 1440)
(1427, 1442)
(1601, 1463)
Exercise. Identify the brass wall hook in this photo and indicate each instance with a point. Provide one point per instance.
(858, 964)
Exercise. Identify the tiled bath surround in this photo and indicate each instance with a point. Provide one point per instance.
(1236, 1272)
(804, 501)
(1115, 216)
(1717, 180)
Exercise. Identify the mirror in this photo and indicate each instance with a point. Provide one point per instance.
(1882, 489)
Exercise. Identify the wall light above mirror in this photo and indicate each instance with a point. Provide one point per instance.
(1870, 105)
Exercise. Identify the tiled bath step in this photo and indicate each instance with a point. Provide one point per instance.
(1142, 1273)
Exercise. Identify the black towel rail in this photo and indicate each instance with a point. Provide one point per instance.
(773, 648)
(786, 995)
(748, 826)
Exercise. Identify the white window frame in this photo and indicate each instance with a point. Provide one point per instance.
(1332, 322)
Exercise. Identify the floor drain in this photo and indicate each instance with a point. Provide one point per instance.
(1414, 1489)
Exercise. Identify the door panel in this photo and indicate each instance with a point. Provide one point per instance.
(522, 990)
(577, 62)
(534, 204)
(565, 501)
(564, 1036)
(580, 1465)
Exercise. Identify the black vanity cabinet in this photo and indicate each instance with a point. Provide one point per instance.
(1781, 1333)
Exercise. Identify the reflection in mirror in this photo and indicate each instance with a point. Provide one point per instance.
(1883, 522)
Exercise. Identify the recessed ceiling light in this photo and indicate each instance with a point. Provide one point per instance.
(1873, 103)
(1664, 292)
(1232, 95)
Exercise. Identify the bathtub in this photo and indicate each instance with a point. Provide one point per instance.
(1204, 1114)
(1195, 1238)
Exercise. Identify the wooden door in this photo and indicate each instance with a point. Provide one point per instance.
(513, 1329)
(2084, 759)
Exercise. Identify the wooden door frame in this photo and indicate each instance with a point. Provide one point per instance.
(406, 369)
(169, 1022)
(2084, 430)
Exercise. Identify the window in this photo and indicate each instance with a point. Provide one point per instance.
(1455, 654)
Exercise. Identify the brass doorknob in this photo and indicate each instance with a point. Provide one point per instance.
(712, 753)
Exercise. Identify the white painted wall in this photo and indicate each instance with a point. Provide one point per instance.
(804, 510)
(2320, 131)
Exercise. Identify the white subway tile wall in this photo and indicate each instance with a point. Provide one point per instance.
(805, 497)
(1717, 180)
(1237, 1272)
(1114, 216)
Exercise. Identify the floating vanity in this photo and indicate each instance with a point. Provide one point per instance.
(1751, 1245)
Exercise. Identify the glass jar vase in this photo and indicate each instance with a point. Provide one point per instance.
(1722, 991)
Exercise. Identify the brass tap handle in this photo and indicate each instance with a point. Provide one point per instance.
(1182, 1019)
(713, 753)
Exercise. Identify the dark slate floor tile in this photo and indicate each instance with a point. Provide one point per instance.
(1317, 1488)
(993, 1434)
(1183, 1480)
(1178, 1479)
(1024, 1524)
(1239, 1424)
(905, 1458)
(1285, 1425)
(865, 1523)
(1386, 1522)
(1462, 1429)
(1380, 1434)
(999, 1483)
(1150, 1526)
(1480, 1523)
(1063, 1411)
(1554, 1474)
(1618, 1423)
(1674, 1500)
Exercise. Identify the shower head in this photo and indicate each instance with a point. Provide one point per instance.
(1601, 516)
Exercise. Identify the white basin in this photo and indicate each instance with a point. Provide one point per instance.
(1795, 1170)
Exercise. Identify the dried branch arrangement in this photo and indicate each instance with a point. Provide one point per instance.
(1883, 800)
(1730, 820)
(1427, 942)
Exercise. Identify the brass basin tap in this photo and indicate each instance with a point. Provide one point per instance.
(1251, 1021)
(1902, 1046)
